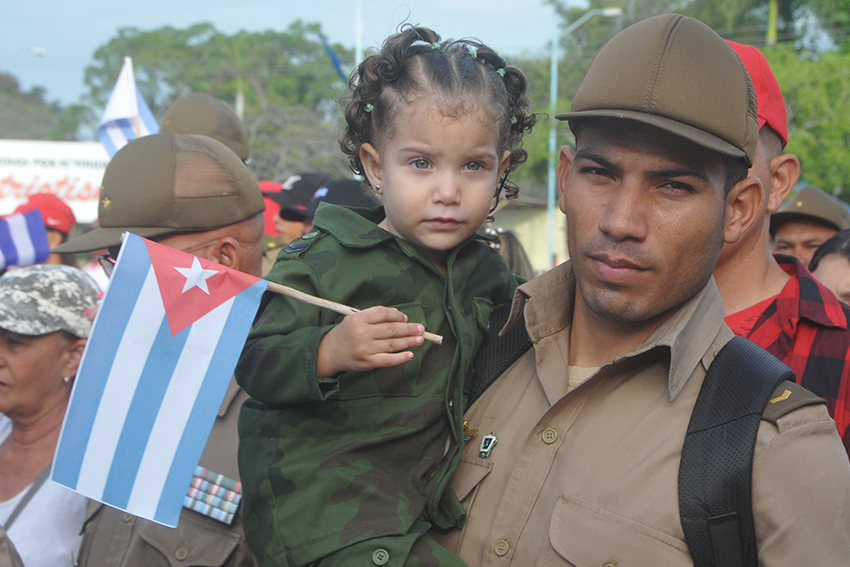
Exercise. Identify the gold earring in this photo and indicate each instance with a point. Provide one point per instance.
(378, 189)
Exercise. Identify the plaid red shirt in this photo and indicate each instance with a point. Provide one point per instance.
(805, 326)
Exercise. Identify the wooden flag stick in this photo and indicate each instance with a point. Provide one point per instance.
(332, 305)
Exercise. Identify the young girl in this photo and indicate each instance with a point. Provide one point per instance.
(354, 427)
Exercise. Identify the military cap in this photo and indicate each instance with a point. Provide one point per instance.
(168, 183)
(200, 113)
(45, 298)
(296, 192)
(676, 74)
(812, 205)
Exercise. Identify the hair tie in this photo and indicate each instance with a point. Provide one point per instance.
(473, 51)
(513, 119)
(501, 72)
(435, 45)
(369, 107)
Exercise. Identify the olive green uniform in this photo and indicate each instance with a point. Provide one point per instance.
(329, 465)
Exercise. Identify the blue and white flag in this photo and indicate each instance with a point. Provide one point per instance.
(126, 117)
(23, 239)
(156, 367)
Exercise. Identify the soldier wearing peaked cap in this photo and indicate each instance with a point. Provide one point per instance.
(192, 193)
(591, 419)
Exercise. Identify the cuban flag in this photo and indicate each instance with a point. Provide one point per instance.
(126, 117)
(162, 350)
(23, 239)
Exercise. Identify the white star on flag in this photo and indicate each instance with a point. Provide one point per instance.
(196, 276)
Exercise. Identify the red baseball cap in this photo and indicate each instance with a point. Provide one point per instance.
(55, 212)
(771, 105)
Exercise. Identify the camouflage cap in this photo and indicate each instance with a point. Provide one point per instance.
(45, 298)
(200, 113)
(168, 183)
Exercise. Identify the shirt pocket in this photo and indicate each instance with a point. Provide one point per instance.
(193, 543)
(585, 535)
(391, 382)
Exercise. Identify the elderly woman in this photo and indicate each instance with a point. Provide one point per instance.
(43, 330)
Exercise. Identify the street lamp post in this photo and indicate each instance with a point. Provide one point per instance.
(553, 98)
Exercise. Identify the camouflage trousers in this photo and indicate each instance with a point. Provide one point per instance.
(414, 549)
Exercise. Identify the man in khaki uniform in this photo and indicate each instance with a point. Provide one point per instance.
(193, 194)
(589, 423)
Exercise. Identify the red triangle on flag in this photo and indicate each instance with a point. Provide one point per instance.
(190, 286)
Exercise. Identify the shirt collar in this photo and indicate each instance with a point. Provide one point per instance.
(685, 338)
(810, 299)
(352, 227)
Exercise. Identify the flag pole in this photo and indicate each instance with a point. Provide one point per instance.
(333, 306)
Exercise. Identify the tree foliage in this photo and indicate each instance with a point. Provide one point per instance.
(27, 115)
(289, 85)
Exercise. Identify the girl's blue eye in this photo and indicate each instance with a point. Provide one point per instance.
(421, 163)
(474, 165)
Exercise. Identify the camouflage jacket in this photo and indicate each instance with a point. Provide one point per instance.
(332, 462)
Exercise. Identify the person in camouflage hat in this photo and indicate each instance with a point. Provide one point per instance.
(43, 328)
(44, 298)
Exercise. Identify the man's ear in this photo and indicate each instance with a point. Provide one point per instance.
(784, 173)
(565, 165)
(743, 204)
(227, 252)
(371, 160)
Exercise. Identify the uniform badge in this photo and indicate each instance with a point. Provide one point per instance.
(467, 432)
(487, 445)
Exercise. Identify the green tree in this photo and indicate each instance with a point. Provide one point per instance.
(816, 92)
(289, 86)
(28, 116)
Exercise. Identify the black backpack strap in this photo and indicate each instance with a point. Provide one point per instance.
(715, 474)
(497, 353)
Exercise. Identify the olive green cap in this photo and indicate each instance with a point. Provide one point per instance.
(813, 205)
(199, 113)
(677, 74)
(167, 183)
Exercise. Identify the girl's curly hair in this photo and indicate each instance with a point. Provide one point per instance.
(413, 63)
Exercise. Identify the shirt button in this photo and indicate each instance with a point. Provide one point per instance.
(550, 436)
(181, 553)
(501, 548)
(128, 518)
(380, 556)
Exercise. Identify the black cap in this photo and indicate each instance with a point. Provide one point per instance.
(297, 191)
(345, 192)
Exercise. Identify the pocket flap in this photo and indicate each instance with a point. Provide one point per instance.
(194, 542)
(587, 535)
(469, 474)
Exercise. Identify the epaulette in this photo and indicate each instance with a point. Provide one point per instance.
(301, 244)
(786, 398)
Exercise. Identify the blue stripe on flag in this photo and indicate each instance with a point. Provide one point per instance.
(144, 408)
(97, 361)
(145, 114)
(10, 253)
(209, 399)
(38, 235)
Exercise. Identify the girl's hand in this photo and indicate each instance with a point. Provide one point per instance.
(373, 338)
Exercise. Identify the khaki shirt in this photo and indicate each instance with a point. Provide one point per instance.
(112, 538)
(589, 478)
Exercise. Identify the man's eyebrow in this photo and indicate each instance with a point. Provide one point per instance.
(680, 172)
(590, 155)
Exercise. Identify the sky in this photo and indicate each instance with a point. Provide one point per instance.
(49, 43)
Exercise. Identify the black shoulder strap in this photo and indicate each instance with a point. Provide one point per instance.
(715, 474)
(497, 353)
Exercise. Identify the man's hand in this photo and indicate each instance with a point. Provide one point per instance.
(369, 339)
